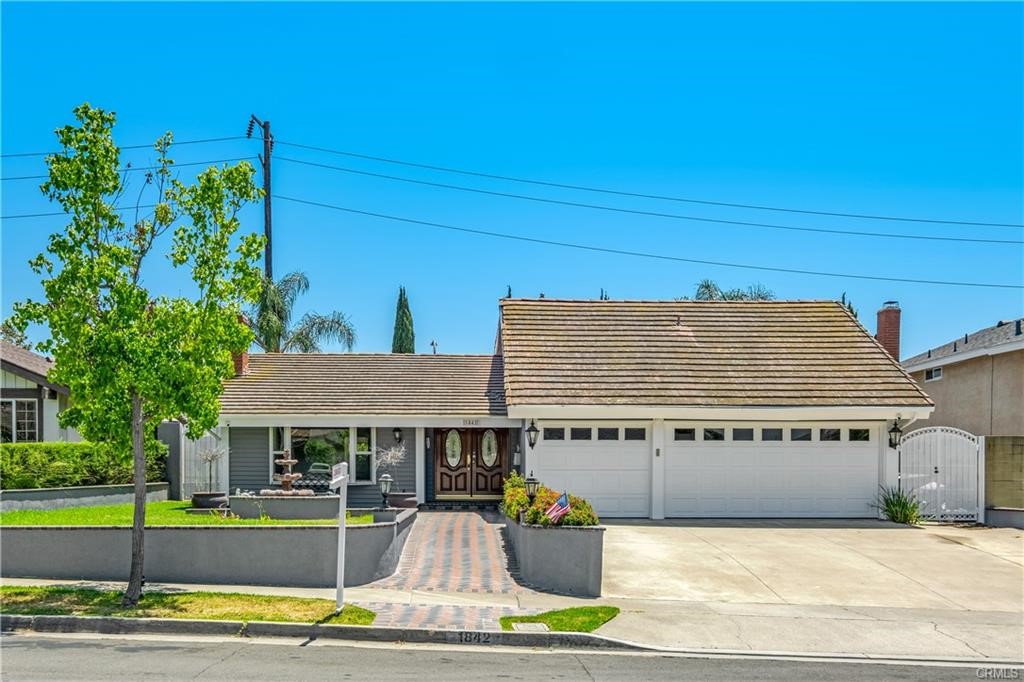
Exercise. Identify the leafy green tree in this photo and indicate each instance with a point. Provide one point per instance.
(271, 320)
(11, 334)
(132, 358)
(708, 290)
(404, 340)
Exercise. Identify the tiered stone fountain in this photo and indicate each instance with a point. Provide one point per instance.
(287, 479)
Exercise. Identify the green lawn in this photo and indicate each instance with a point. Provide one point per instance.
(170, 513)
(576, 619)
(70, 601)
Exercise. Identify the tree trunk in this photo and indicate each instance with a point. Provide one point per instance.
(134, 591)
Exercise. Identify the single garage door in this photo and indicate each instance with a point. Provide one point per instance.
(771, 470)
(608, 465)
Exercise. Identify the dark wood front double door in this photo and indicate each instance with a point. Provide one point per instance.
(469, 462)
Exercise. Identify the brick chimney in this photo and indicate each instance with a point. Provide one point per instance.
(241, 363)
(888, 329)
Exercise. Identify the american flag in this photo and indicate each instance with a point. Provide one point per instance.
(559, 509)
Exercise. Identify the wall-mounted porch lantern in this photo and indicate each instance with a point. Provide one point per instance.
(385, 488)
(531, 433)
(894, 433)
(398, 434)
(531, 487)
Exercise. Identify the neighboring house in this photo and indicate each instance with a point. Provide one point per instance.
(649, 409)
(29, 404)
(976, 381)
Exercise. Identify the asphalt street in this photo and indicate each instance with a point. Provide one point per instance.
(76, 657)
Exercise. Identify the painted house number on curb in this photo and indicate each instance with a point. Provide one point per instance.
(474, 637)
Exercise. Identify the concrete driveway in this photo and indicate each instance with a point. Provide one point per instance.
(843, 563)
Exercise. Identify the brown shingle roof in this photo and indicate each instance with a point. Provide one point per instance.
(367, 384)
(25, 363)
(998, 334)
(695, 353)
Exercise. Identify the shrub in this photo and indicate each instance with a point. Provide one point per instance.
(899, 506)
(57, 464)
(516, 501)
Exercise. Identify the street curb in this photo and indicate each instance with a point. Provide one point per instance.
(109, 625)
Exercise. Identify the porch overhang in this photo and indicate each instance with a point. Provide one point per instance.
(376, 420)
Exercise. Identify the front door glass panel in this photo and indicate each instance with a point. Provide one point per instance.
(453, 448)
(489, 448)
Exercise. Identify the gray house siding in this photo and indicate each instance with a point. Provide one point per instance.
(249, 460)
(364, 495)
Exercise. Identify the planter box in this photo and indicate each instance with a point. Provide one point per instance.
(77, 496)
(292, 556)
(298, 508)
(560, 559)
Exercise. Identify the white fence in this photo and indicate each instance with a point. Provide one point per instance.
(944, 469)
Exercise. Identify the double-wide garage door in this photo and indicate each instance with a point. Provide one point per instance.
(712, 470)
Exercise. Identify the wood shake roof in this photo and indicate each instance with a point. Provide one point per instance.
(367, 384)
(696, 353)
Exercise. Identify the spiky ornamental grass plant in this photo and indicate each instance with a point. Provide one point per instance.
(899, 506)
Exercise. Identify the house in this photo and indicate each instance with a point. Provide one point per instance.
(29, 403)
(976, 381)
(649, 409)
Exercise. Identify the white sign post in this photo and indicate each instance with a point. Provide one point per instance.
(339, 480)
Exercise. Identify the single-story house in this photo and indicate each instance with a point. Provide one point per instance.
(648, 409)
(29, 403)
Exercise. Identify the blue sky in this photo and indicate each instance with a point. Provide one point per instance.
(897, 109)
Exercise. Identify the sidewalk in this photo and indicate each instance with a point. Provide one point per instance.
(711, 626)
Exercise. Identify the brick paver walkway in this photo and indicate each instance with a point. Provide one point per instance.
(454, 551)
(442, 617)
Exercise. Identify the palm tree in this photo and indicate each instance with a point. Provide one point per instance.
(271, 320)
(708, 290)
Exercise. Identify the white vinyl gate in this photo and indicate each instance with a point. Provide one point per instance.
(943, 468)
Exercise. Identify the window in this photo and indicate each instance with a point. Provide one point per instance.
(580, 433)
(636, 434)
(714, 434)
(743, 434)
(364, 449)
(799, 434)
(607, 433)
(317, 449)
(685, 434)
(860, 435)
(933, 374)
(829, 434)
(552, 433)
(18, 421)
(771, 434)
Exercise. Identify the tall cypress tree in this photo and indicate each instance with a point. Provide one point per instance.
(404, 340)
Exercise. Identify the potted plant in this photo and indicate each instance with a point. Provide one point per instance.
(388, 461)
(209, 499)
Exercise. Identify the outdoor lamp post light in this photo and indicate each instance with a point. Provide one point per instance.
(531, 487)
(894, 433)
(531, 433)
(398, 434)
(385, 487)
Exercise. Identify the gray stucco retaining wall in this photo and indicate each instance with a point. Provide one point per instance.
(566, 559)
(1004, 517)
(78, 496)
(292, 556)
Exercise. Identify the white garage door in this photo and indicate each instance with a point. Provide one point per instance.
(609, 465)
(771, 470)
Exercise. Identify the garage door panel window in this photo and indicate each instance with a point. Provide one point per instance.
(685, 434)
(580, 433)
(860, 435)
(832, 435)
(607, 433)
(743, 434)
(553, 433)
(716, 434)
(635, 434)
(771, 434)
(800, 434)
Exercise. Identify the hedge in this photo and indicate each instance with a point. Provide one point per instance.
(58, 465)
(515, 501)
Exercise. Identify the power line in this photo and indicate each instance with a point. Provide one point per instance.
(640, 195)
(128, 169)
(657, 214)
(136, 146)
(640, 254)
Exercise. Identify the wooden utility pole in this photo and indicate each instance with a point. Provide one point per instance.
(268, 148)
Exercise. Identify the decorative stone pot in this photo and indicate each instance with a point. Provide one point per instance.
(209, 500)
